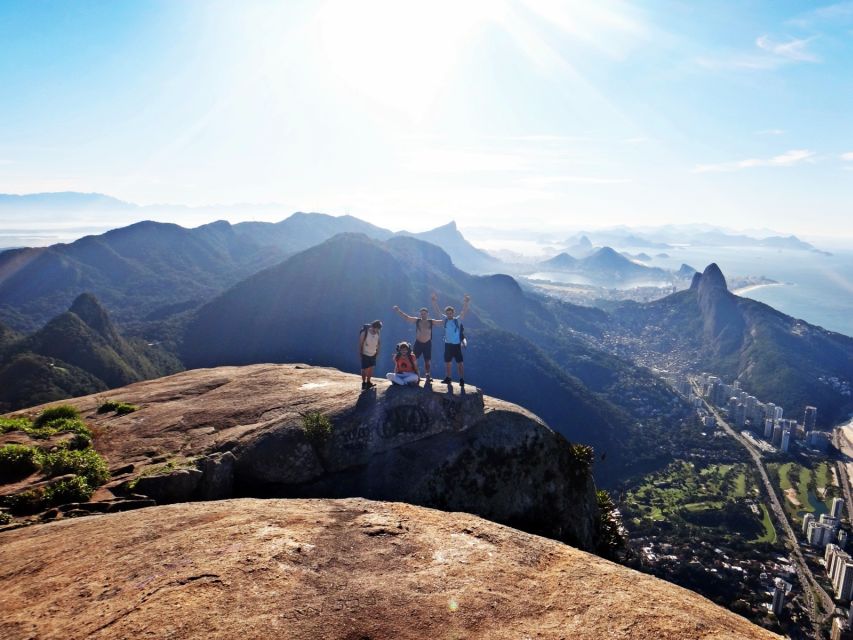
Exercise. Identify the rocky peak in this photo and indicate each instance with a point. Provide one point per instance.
(244, 431)
(89, 310)
(713, 277)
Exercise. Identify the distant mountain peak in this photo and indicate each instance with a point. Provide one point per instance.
(584, 242)
(711, 278)
(87, 307)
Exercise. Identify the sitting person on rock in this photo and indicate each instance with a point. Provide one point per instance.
(423, 336)
(453, 337)
(405, 367)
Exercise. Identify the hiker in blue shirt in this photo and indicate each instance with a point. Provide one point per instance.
(453, 337)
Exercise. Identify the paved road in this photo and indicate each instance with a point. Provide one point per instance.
(807, 579)
(841, 439)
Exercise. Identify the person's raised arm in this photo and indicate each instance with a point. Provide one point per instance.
(434, 299)
(405, 316)
(465, 304)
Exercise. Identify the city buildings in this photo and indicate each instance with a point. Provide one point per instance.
(810, 419)
(837, 507)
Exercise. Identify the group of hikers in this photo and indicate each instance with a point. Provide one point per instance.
(406, 370)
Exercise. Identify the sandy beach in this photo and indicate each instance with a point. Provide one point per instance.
(753, 287)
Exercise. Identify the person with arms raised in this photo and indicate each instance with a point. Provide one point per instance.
(453, 337)
(423, 336)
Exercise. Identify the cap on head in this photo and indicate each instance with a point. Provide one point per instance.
(449, 310)
(404, 345)
(424, 310)
(376, 324)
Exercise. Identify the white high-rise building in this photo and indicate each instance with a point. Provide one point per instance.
(807, 520)
(819, 534)
(779, 412)
(786, 440)
(837, 507)
(768, 428)
(844, 583)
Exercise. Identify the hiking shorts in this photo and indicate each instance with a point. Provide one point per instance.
(368, 361)
(452, 352)
(423, 349)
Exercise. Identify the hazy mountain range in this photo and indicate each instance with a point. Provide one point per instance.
(298, 290)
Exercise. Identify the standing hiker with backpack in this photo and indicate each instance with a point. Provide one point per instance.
(368, 347)
(454, 337)
(423, 336)
(405, 367)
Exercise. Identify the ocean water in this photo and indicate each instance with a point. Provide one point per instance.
(817, 288)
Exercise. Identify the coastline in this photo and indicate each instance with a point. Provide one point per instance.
(753, 287)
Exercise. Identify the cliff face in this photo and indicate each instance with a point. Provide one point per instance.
(241, 431)
(306, 569)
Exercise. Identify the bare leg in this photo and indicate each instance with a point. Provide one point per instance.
(460, 367)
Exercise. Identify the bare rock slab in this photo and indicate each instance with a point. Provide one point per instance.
(329, 569)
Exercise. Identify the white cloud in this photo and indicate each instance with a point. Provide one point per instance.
(794, 49)
(771, 54)
(787, 159)
(847, 157)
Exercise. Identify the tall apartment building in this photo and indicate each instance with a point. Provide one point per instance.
(807, 520)
(778, 601)
(768, 428)
(837, 508)
(810, 418)
(786, 440)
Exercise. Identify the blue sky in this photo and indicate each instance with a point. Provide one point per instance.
(524, 113)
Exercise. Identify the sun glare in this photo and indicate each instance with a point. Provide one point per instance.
(399, 54)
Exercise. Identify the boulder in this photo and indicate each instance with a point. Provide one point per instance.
(312, 569)
(242, 431)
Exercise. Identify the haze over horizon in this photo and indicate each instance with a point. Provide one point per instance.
(504, 114)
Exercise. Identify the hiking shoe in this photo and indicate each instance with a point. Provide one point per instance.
(446, 381)
(369, 385)
(461, 382)
(363, 385)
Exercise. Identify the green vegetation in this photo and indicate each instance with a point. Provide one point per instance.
(5, 518)
(75, 489)
(14, 424)
(17, 461)
(59, 412)
(612, 536)
(87, 464)
(73, 456)
(51, 423)
(769, 529)
(120, 408)
(582, 456)
(804, 490)
(695, 498)
(162, 469)
(318, 428)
